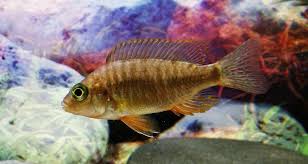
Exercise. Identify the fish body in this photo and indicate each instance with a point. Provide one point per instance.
(144, 86)
(150, 76)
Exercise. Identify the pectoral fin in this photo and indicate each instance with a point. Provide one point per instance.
(141, 124)
(198, 104)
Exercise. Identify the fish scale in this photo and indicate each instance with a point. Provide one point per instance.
(155, 82)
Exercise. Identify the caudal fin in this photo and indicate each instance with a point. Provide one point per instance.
(241, 69)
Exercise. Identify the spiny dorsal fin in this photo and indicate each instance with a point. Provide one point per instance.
(141, 124)
(183, 50)
(200, 103)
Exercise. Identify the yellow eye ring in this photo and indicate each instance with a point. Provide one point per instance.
(79, 92)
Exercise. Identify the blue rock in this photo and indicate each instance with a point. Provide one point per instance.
(18, 68)
(12, 68)
(83, 26)
(52, 77)
(149, 20)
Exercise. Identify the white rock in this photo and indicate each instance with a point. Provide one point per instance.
(12, 162)
(33, 125)
(225, 116)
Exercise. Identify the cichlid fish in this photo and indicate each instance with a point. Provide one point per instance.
(153, 75)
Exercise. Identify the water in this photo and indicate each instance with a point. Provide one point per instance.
(47, 47)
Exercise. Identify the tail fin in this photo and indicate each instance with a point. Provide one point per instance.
(241, 70)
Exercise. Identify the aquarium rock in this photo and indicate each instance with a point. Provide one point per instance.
(12, 162)
(221, 121)
(212, 151)
(244, 121)
(272, 125)
(82, 26)
(33, 126)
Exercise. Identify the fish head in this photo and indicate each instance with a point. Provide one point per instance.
(82, 100)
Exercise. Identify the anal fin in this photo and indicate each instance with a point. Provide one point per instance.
(200, 103)
(141, 124)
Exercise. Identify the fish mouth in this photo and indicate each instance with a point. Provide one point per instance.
(64, 106)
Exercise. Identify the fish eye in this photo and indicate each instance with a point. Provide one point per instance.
(79, 92)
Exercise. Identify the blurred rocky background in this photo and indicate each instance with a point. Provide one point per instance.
(48, 46)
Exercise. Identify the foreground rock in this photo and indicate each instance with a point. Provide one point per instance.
(33, 126)
(212, 151)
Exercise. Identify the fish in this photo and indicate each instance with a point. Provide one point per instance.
(145, 76)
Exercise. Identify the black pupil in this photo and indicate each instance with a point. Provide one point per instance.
(78, 92)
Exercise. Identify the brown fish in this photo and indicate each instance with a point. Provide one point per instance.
(154, 75)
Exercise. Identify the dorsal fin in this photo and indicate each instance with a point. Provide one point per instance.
(200, 103)
(183, 50)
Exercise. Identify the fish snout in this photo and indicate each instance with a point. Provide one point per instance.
(64, 105)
